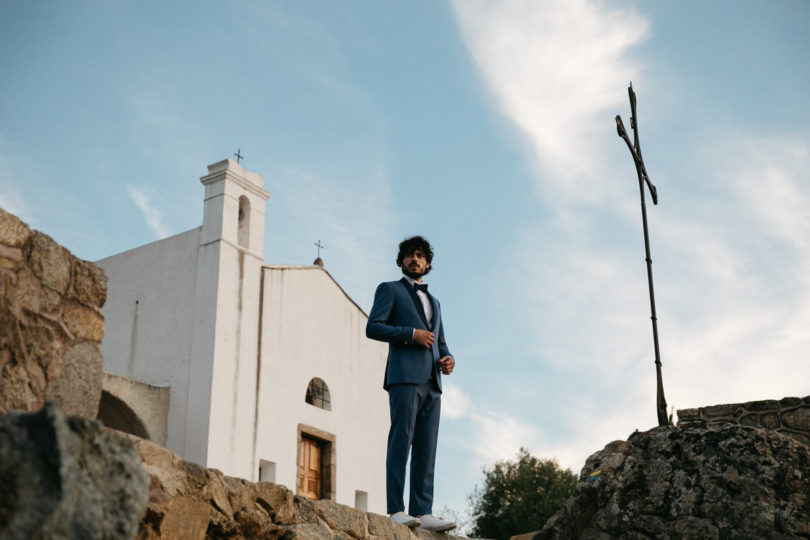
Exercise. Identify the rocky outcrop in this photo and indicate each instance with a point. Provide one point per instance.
(712, 481)
(790, 415)
(64, 478)
(191, 502)
(50, 323)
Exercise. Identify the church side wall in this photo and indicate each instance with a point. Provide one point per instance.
(311, 329)
(148, 315)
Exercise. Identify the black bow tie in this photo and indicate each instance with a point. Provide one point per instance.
(420, 287)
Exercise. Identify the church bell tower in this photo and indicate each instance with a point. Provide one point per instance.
(223, 372)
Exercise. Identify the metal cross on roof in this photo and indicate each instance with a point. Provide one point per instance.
(641, 171)
(239, 155)
(320, 246)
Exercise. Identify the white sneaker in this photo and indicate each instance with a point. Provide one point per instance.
(432, 523)
(404, 519)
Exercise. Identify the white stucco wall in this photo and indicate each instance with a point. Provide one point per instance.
(223, 387)
(233, 390)
(148, 319)
(312, 329)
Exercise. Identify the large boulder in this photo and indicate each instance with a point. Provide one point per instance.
(65, 478)
(697, 481)
(51, 323)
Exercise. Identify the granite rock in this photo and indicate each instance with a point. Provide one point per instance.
(693, 481)
(67, 477)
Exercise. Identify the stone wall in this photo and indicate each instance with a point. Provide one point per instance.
(50, 323)
(191, 502)
(789, 415)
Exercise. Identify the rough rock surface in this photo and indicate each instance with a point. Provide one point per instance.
(50, 323)
(65, 478)
(191, 502)
(790, 415)
(712, 481)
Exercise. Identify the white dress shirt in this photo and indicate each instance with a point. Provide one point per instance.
(425, 300)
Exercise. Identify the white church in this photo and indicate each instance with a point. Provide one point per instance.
(261, 371)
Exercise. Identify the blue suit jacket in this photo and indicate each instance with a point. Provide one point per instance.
(396, 312)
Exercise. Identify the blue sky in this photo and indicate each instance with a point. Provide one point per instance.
(486, 126)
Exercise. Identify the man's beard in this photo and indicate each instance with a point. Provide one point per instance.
(415, 275)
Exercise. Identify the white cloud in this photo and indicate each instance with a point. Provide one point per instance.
(455, 403)
(768, 182)
(743, 328)
(732, 270)
(154, 217)
(731, 299)
(559, 71)
(556, 69)
(493, 436)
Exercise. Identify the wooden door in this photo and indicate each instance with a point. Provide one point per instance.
(309, 468)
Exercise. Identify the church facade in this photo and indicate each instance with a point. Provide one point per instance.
(262, 371)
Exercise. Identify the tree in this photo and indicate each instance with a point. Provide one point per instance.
(519, 496)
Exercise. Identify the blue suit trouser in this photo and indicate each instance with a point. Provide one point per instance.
(415, 410)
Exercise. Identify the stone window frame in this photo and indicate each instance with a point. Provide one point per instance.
(328, 459)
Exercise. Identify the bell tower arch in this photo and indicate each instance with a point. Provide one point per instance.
(234, 207)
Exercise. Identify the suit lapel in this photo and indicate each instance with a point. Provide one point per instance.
(417, 303)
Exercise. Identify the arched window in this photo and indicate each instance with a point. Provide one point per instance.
(243, 233)
(318, 394)
(116, 414)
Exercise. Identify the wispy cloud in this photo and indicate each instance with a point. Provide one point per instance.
(554, 68)
(558, 70)
(492, 436)
(455, 403)
(739, 314)
(154, 217)
(732, 282)
(732, 275)
(731, 298)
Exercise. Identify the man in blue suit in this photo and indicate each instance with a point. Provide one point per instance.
(409, 319)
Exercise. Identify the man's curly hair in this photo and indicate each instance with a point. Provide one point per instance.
(414, 243)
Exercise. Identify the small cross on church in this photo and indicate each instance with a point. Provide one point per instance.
(238, 155)
(318, 261)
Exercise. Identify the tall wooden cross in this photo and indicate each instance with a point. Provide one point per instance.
(641, 171)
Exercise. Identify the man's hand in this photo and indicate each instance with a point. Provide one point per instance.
(424, 338)
(446, 364)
